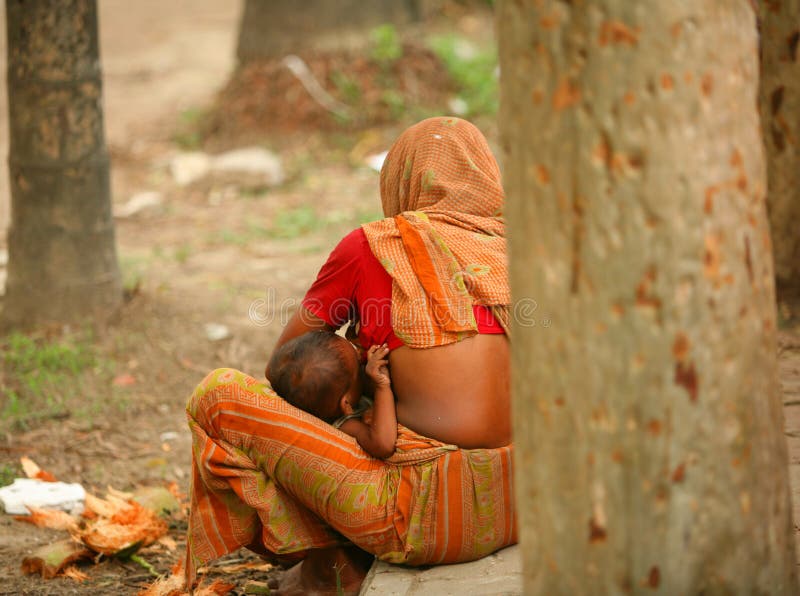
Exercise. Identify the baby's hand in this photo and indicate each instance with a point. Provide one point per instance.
(377, 367)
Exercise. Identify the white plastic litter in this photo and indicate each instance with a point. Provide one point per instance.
(38, 493)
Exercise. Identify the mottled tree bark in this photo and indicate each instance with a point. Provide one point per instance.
(780, 119)
(62, 256)
(278, 27)
(648, 424)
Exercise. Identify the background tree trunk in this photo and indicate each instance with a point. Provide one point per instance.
(278, 27)
(780, 119)
(648, 424)
(62, 256)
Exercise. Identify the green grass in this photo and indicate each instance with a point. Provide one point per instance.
(46, 378)
(473, 69)
(8, 472)
(296, 222)
(188, 134)
(348, 88)
(385, 45)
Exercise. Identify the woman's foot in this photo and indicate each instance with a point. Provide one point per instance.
(328, 571)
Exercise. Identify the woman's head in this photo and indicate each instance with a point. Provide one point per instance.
(314, 372)
(443, 164)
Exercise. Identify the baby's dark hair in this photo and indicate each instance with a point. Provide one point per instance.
(311, 372)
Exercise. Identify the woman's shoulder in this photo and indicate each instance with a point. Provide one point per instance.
(352, 245)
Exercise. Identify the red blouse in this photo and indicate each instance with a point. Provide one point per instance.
(353, 284)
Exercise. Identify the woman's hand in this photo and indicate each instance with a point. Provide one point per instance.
(377, 368)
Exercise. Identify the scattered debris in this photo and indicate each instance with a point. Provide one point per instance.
(216, 588)
(72, 572)
(189, 167)
(124, 380)
(300, 69)
(128, 528)
(217, 332)
(167, 586)
(33, 492)
(139, 203)
(52, 559)
(255, 587)
(248, 167)
(55, 519)
(32, 470)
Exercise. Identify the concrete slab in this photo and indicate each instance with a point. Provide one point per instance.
(499, 574)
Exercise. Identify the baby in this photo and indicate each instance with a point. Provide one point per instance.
(318, 372)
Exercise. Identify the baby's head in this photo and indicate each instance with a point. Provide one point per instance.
(316, 372)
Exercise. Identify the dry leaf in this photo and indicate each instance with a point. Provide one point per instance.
(52, 558)
(124, 380)
(32, 470)
(49, 518)
(73, 572)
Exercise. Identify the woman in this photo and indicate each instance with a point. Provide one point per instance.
(430, 280)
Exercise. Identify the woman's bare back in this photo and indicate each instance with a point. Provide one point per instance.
(458, 393)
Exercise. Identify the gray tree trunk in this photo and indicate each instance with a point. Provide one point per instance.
(62, 257)
(780, 119)
(277, 27)
(648, 424)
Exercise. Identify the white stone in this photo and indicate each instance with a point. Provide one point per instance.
(376, 161)
(189, 167)
(142, 201)
(249, 166)
(37, 493)
(217, 332)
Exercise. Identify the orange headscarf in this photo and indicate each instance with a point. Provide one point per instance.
(443, 239)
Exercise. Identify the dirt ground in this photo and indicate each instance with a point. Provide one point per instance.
(208, 254)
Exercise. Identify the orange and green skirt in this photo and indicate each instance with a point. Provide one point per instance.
(266, 474)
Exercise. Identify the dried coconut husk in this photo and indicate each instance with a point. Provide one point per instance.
(54, 519)
(72, 572)
(216, 588)
(51, 559)
(131, 527)
(32, 470)
(167, 586)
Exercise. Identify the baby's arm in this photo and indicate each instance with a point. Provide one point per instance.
(378, 438)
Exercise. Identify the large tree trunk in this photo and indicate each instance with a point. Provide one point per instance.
(648, 424)
(62, 257)
(278, 27)
(780, 119)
